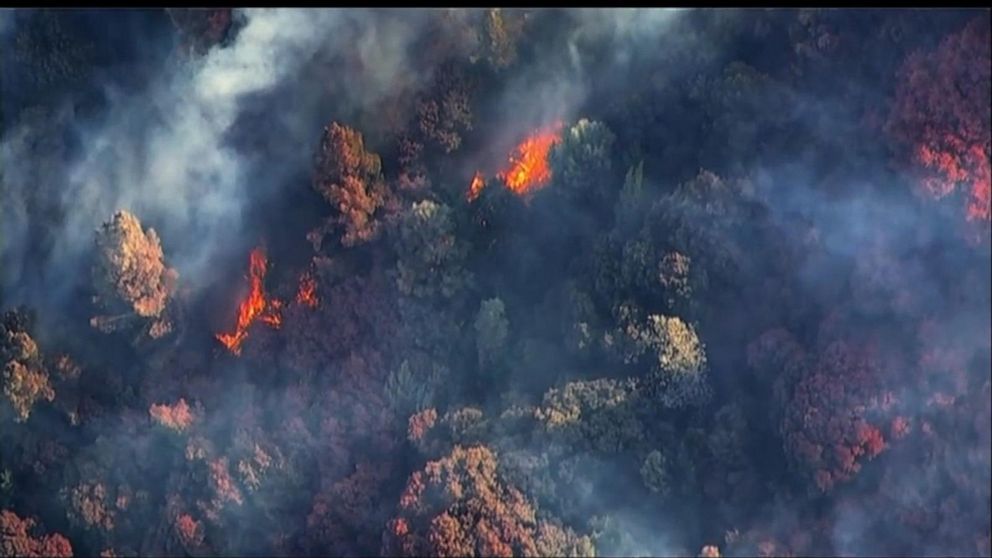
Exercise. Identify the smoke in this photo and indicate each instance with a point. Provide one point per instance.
(208, 144)
(167, 153)
(6, 21)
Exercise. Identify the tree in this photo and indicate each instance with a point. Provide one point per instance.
(447, 114)
(827, 428)
(350, 180)
(364, 311)
(655, 474)
(632, 202)
(25, 380)
(598, 414)
(678, 277)
(430, 257)
(491, 331)
(16, 539)
(744, 111)
(200, 28)
(500, 35)
(678, 375)
(51, 54)
(941, 116)
(415, 385)
(581, 164)
(460, 506)
(706, 219)
(130, 277)
(177, 417)
(346, 518)
(24, 386)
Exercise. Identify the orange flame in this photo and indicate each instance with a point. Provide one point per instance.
(529, 169)
(253, 307)
(307, 294)
(475, 188)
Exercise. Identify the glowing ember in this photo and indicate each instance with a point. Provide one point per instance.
(255, 306)
(307, 294)
(970, 171)
(980, 200)
(529, 170)
(475, 188)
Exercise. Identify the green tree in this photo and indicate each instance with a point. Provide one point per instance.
(500, 34)
(678, 374)
(581, 164)
(596, 414)
(415, 384)
(430, 256)
(491, 331)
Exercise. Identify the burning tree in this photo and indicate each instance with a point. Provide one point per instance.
(350, 179)
(131, 279)
(306, 294)
(528, 169)
(256, 306)
(941, 112)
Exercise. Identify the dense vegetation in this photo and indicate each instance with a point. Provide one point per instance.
(495, 282)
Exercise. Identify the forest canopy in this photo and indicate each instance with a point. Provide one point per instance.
(495, 282)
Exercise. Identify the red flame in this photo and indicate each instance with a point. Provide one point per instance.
(528, 168)
(307, 293)
(475, 188)
(255, 306)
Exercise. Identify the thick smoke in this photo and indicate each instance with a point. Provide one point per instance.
(212, 149)
(165, 152)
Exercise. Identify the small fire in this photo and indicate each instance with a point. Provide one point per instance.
(307, 293)
(529, 169)
(255, 306)
(475, 188)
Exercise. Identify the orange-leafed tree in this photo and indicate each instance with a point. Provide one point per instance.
(344, 517)
(18, 538)
(22, 373)
(177, 417)
(130, 277)
(446, 114)
(941, 115)
(460, 505)
(350, 179)
(828, 426)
